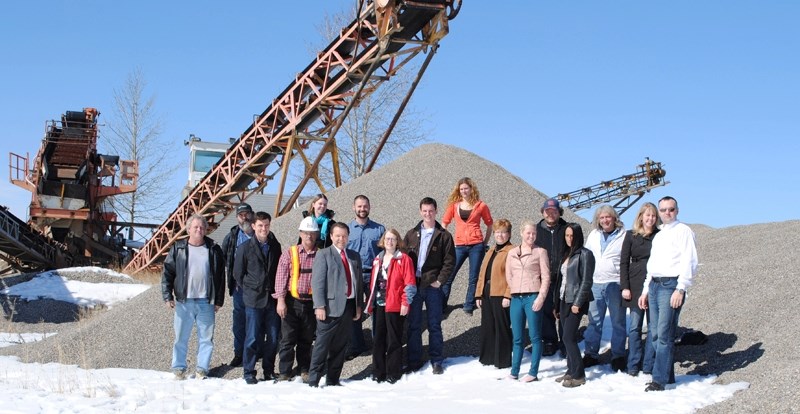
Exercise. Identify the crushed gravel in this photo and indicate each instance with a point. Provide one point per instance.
(742, 298)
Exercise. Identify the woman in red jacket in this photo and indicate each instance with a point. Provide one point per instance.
(392, 288)
(465, 208)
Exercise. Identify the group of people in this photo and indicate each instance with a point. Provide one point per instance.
(305, 304)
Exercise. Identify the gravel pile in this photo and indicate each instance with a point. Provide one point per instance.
(744, 272)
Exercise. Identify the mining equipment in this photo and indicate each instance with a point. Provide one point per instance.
(385, 36)
(627, 189)
(71, 221)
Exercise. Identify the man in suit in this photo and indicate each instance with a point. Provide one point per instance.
(337, 293)
(254, 270)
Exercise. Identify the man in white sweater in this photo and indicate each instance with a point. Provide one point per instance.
(605, 242)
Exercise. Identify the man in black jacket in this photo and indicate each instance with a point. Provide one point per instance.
(550, 236)
(254, 270)
(431, 247)
(239, 234)
(193, 284)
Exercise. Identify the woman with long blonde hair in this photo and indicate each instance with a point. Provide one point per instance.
(632, 271)
(465, 208)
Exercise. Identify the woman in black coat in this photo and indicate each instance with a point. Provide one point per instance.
(632, 272)
(574, 294)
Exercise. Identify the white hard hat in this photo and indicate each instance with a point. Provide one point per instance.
(308, 224)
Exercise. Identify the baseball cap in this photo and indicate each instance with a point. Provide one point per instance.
(551, 203)
(244, 208)
(308, 224)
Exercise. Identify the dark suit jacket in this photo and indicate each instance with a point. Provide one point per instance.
(255, 273)
(328, 283)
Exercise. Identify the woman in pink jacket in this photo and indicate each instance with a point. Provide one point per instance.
(465, 208)
(392, 288)
(528, 277)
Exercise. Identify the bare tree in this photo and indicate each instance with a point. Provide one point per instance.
(361, 132)
(135, 133)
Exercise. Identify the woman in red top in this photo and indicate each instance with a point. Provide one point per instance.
(392, 288)
(467, 210)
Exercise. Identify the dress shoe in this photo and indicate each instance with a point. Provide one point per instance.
(251, 380)
(563, 377)
(333, 383)
(654, 386)
(414, 367)
(573, 382)
(549, 349)
(236, 361)
(618, 364)
(438, 369)
(378, 378)
(589, 361)
(392, 379)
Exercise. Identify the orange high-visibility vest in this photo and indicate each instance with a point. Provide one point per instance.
(295, 281)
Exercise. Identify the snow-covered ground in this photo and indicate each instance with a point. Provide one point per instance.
(465, 387)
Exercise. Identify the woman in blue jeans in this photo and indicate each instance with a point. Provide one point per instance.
(632, 273)
(465, 208)
(528, 278)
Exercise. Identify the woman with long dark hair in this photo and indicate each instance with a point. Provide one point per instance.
(574, 295)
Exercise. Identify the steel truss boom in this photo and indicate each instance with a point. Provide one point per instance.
(628, 189)
(385, 37)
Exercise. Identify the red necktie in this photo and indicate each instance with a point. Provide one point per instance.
(347, 272)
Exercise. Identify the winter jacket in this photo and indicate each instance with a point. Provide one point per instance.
(255, 273)
(401, 282)
(173, 278)
(633, 264)
(229, 251)
(552, 240)
(468, 232)
(578, 290)
(528, 272)
(441, 255)
(498, 286)
(607, 262)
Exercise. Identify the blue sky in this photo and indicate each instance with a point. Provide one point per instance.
(562, 94)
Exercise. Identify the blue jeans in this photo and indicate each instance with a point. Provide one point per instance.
(522, 311)
(433, 299)
(475, 253)
(254, 338)
(238, 321)
(639, 356)
(663, 319)
(606, 296)
(272, 336)
(188, 314)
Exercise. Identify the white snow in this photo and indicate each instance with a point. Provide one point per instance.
(465, 387)
(50, 285)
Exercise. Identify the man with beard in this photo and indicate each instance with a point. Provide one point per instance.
(239, 234)
(364, 237)
(550, 236)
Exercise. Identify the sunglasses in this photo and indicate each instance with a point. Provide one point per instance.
(664, 210)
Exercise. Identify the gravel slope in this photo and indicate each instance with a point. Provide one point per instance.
(744, 270)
